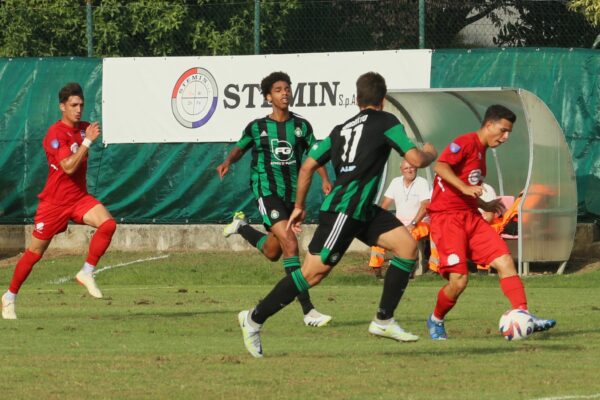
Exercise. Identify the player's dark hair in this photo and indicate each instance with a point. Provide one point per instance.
(70, 89)
(497, 112)
(370, 89)
(268, 81)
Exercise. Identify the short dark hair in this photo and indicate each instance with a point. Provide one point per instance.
(70, 89)
(497, 112)
(370, 89)
(268, 81)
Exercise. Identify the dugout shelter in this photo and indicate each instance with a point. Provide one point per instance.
(535, 160)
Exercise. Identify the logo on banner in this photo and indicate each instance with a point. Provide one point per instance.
(194, 98)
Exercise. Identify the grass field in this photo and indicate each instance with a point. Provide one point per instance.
(167, 328)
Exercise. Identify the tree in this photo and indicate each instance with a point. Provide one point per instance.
(139, 27)
(589, 8)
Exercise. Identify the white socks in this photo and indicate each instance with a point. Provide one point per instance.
(88, 268)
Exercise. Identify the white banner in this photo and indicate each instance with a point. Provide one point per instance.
(212, 99)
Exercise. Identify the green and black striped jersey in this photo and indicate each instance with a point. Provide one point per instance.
(277, 150)
(358, 150)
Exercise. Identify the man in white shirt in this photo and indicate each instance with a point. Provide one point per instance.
(410, 194)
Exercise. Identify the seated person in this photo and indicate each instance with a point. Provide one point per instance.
(411, 195)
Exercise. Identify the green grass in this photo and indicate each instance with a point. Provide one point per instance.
(168, 329)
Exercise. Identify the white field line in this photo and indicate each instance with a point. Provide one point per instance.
(64, 279)
(574, 397)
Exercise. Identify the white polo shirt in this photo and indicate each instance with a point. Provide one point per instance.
(408, 199)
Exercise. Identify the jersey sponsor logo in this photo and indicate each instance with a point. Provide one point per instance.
(453, 259)
(74, 148)
(194, 98)
(54, 143)
(82, 133)
(454, 148)
(39, 226)
(281, 149)
(274, 214)
(298, 132)
(348, 168)
(474, 177)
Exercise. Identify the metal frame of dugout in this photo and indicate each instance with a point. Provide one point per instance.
(535, 160)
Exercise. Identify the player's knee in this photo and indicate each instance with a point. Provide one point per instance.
(289, 247)
(272, 254)
(108, 227)
(459, 283)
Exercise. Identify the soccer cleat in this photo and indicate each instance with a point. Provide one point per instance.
(540, 324)
(251, 335)
(89, 282)
(8, 308)
(392, 331)
(437, 331)
(239, 219)
(316, 319)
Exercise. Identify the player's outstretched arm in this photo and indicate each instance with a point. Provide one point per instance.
(444, 171)
(72, 163)
(421, 157)
(234, 155)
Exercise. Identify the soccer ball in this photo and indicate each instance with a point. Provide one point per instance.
(516, 324)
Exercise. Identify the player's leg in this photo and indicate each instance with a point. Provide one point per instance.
(512, 287)
(291, 263)
(266, 243)
(30, 257)
(281, 295)
(389, 233)
(92, 213)
(450, 237)
(325, 250)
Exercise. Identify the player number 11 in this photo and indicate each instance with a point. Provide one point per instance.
(352, 137)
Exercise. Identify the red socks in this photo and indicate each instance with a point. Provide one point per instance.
(515, 292)
(100, 241)
(22, 270)
(444, 305)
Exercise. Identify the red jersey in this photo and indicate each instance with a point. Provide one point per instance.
(466, 157)
(60, 142)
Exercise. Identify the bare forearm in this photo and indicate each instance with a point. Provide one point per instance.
(72, 163)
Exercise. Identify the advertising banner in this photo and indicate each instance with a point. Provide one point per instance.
(212, 99)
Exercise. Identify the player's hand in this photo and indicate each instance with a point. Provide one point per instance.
(326, 187)
(428, 148)
(92, 131)
(295, 220)
(496, 206)
(472, 191)
(222, 170)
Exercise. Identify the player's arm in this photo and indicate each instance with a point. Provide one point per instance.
(325, 182)
(71, 163)
(397, 138)
(491, 208)
(444, 171)
(307, 170)
(234, 155)
(421, 157)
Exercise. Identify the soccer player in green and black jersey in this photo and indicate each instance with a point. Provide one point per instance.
(358, 150)
(278, 142)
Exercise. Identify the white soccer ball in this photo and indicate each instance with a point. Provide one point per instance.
(516, 324)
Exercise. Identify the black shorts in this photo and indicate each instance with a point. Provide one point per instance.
(336, 232)
(274, 209)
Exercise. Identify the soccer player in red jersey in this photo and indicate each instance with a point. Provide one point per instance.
(457, 227)
(65, 197)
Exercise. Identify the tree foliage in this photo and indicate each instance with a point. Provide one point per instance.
(139, 27)
(589, 8)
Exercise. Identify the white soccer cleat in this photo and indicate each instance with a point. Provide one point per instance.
(239, 219)
(89, 282)
(8, 308)
(251, 335)
(316, 319)
(392, 331)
